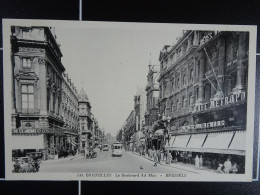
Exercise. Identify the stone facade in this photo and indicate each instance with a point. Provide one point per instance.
(44, 100)
(86, 120)
(203, 85)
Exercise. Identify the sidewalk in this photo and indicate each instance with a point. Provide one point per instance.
(179, 165)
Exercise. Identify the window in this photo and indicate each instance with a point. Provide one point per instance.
(184, 80)
(26, 63)
(178, 83)
(183, 101)
(27, 97)
(173, 85)
(191, 76)
(190, 99)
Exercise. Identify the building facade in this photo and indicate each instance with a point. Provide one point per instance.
(129, 130)
(37, 85)
(152, 95)
(70, 112)
(140, 108)
(86, 121)
(203, 87)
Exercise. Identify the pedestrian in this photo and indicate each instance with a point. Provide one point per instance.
(197, 162)
(201, 162)
(220, 169)
(159, 155)
(86, 152)
(227, 166)
(234, 168)
(154, 153)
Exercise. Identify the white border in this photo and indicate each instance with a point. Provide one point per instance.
(120, 25)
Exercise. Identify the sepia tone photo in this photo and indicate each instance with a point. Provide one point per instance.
(128, 101)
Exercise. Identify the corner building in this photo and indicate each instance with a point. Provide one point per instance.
(38, 119)
(203, 89)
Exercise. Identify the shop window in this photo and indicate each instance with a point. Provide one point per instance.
(26, 63)
(27, 97)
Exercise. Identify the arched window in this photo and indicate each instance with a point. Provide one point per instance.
(184, 80)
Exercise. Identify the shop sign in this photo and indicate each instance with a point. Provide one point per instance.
(39, 131)
(232, 99)
(205, 125)
(30, 131)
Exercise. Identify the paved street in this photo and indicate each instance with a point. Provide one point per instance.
(128, 163)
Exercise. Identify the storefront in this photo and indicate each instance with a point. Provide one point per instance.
(214, 147)
(46, 140)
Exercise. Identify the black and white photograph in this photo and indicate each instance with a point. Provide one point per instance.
(128, 101)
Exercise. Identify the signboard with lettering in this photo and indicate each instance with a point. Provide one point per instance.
(205, 125)
(232, 99)
(37, 131)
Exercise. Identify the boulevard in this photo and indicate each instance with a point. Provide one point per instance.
(105, 163)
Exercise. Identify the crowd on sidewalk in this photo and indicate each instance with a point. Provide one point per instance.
(197, 160)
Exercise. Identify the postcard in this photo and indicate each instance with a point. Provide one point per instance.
(128, 101)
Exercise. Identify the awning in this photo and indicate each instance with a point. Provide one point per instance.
(196, 140)
(22, 142)
(180, 141)
(239, 141)
(211, 150)
(218, 140)
(214, 143)
(159, 132)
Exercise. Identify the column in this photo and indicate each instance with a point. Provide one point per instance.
(42, 86)
(201, 76)
(241, 56)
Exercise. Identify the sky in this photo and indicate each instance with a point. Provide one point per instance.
(110, 64)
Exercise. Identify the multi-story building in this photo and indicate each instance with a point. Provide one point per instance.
(70, 112)
(86, 120)
(140, 108)
(37, 81)
(152, 95)
(203, 86)
(129, 130)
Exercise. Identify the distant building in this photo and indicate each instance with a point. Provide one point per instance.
(86, 120)
(129, 130)
(140, 108)
(152, 95)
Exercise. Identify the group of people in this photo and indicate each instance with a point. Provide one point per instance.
(158, 155)
(227, 167)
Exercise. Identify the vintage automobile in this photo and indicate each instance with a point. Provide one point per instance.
(105, 147)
